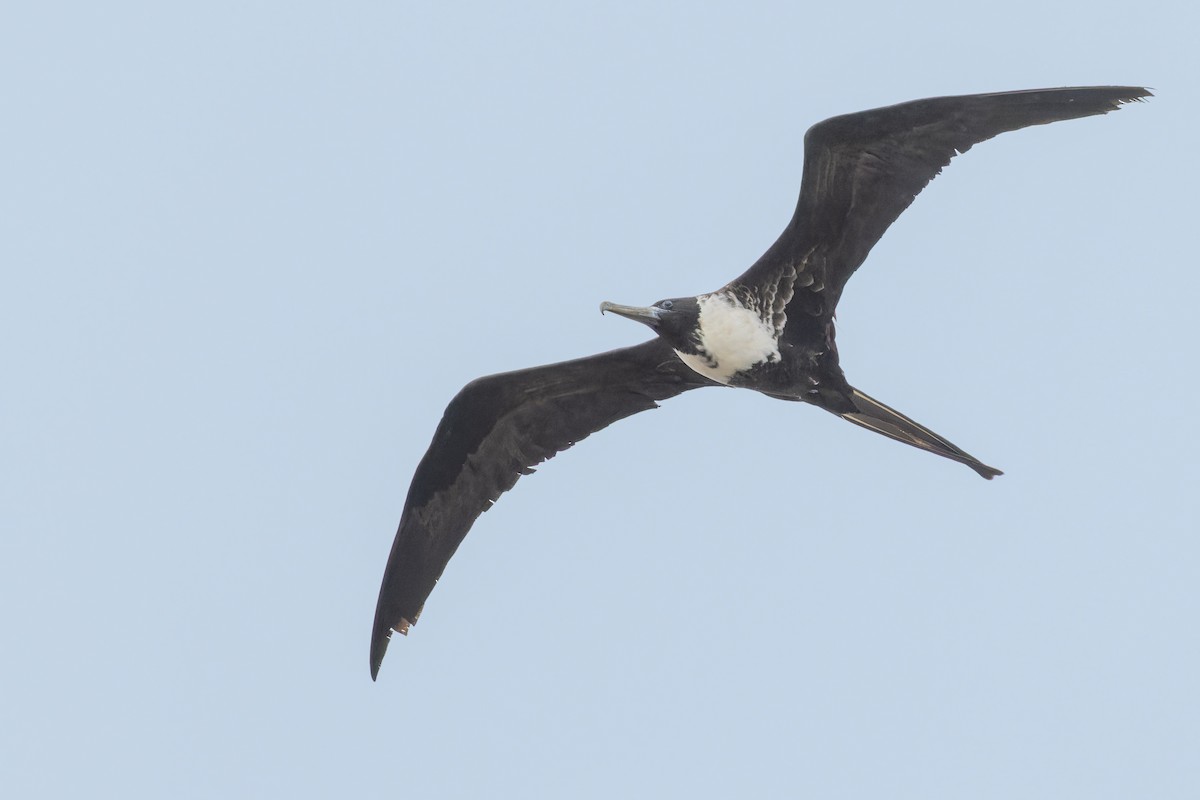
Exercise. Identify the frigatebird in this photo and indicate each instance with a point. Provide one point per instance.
(771, 330)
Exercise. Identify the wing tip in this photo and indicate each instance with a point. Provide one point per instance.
(1132, 94)
(380, 641)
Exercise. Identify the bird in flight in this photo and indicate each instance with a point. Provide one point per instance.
(770, 330)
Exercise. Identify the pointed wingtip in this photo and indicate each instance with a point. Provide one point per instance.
(379, 644)
(378, 648)
(1134, 94)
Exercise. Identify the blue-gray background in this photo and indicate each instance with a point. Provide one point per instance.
(249, 251)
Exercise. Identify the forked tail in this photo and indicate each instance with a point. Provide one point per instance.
(875, 416)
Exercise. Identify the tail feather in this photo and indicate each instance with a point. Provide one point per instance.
(875, 416)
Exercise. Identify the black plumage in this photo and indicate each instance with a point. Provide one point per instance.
(771, 329)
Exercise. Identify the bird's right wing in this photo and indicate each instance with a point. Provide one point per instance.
(493, 432)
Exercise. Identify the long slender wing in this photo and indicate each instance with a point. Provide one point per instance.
(493, 432)
(862, 170)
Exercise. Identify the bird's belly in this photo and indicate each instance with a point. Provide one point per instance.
(727, 365)
(705, 366)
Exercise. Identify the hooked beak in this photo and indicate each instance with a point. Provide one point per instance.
(646, 315)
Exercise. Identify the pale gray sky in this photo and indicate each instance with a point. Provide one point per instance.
(249, 253)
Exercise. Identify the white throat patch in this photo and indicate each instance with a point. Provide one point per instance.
(733, 339)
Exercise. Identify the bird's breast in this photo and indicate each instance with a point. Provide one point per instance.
(730, 338)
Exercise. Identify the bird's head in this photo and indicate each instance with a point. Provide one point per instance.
(676, 320)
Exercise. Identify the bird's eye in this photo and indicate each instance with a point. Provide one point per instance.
(665, 305)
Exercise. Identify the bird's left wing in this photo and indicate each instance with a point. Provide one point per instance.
(862, 170)
(493, 432)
